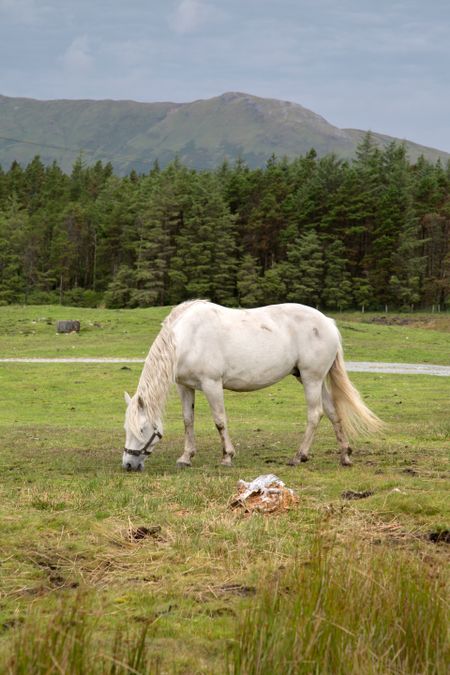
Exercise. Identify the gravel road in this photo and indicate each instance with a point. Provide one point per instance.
(352, 366)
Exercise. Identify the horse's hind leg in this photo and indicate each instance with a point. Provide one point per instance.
(313, 393)
(187, 396)
(330, 411)
(214, 393)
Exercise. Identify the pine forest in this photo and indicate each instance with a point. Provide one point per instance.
(371, 233)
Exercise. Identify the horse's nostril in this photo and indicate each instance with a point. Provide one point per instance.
(140, 467)
(128, 467)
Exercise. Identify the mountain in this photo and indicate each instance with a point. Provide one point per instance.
(133, 135)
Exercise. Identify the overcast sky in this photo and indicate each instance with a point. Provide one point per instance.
(368, 64)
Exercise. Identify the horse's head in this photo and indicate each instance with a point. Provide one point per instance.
(141, 434)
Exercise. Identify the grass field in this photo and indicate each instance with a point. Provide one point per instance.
(331, 586)
(30, 331)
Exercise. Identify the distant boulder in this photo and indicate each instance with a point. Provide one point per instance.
(68, 326)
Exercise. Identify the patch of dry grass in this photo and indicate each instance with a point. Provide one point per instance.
(347, 608)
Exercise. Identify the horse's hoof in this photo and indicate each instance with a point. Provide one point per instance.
(293, 462)
(184, 465)
(226, 462)
(346, 462)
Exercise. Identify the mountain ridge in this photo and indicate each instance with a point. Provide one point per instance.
(202, 133)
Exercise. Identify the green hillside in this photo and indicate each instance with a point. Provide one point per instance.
(133, 135)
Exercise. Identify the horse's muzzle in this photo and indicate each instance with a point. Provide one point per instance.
(138, 467)
(132, 463)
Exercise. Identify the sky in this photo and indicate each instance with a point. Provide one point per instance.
(367, 64)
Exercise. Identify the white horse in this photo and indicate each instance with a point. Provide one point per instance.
(211, 348)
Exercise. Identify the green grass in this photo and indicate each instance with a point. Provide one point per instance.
(67, 645)
(67, 511)
(338, 611)
(411, 338)
(31, 331)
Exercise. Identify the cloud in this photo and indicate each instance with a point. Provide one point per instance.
(77, 56)
(190, 15)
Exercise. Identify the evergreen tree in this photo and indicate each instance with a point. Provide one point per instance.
(436, 230)
(13, 224)
(248, 282)
(408, 265)
(358, 198)
(204, 265)
(225, 265)
(363, 292)
(79, 179)
(337, 288)
(120, 290)
(304, 269)
(392, 215)
(34, 179)
(273, 284)
(152, 248)
(16, 183)
(113, 216)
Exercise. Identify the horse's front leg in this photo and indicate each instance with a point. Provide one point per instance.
(213, 391)
(187, 396)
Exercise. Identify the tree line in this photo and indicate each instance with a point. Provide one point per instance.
(320, 231)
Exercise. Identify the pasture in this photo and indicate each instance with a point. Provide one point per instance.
(332, 586)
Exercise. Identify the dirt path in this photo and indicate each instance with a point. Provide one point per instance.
(397, 368)
(352, 366)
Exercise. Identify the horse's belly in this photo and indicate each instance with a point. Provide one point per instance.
(250, 373)
(240, 384)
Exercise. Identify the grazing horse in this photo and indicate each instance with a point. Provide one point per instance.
(207, 347)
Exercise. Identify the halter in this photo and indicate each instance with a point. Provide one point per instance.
(144, 450)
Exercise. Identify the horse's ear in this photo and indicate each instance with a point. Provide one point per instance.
(127, 397)
(140, 403)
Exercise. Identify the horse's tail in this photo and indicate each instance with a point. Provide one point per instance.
(356, 418)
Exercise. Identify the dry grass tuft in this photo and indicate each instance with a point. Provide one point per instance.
(346, 609)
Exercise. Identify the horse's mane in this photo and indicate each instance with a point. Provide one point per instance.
(158, 373)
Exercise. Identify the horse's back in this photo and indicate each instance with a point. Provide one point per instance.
(288, 322)
(251, 348)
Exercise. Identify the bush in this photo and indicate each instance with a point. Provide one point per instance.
(79, 297)
(43, 298)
